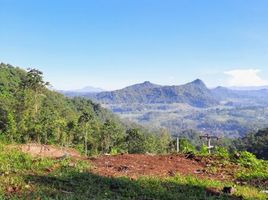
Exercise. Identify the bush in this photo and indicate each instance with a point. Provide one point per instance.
(248, 159)
(203, 150)
(221, 152)
(186, 146)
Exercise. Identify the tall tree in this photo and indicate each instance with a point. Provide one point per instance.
(84, 120)
(111, 136)
(34, 83)
(11, 128)
(135, 141)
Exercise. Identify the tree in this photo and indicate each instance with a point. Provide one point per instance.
(164, 141)
(111, 136)
(34, 84)
(34, 81)
(84, 120)
(135, 141)
(11, 128)
(256, 143)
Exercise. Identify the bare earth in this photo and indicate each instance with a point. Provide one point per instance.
(48, 151)
(132, 165)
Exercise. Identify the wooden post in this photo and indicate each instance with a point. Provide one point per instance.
(208, 139)
(178, 144)
(209, 146)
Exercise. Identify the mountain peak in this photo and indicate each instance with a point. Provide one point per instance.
(147, 83)
(198, 82)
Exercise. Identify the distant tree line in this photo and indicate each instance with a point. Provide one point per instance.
(256, 143)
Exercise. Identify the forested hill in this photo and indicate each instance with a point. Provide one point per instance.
(25, 103)
(194, 93)
(29, 112)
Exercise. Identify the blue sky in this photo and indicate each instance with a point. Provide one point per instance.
(115, 43)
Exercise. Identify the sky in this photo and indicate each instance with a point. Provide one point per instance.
(115, 43)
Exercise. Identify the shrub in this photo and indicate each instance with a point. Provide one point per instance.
(221, 152)
(186, 146)
(203, 150)
(248, 159)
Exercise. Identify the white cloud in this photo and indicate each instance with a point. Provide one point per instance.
(245, 77)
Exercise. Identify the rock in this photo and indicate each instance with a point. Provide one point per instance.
(27, 186)
(171, 173)
(190, 156)
(48, 169)
(71, 164)
(122, 168)
(198, 159)
(228, 190)
(10, 189)
(237, 155)
(198, 171)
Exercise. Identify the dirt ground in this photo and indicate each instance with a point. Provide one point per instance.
(131, 165)
(48, 151)
(135, 165)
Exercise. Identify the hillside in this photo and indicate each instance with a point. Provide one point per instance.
(30, 112)
(195, 94)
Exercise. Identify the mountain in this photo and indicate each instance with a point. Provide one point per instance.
(79, 92)
(194, 93)
(89, 89)
(246, 97)
(249, 87)
(220, 111)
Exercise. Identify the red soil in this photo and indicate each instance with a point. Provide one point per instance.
(136, 165)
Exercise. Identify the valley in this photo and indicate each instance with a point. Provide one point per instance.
(220, 111)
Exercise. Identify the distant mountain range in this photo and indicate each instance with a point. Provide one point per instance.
(249, 87)
(194, 93)
(82, 91)
(220, 111)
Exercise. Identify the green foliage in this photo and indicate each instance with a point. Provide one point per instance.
(221, 152)
(248, 159)
(256, 143)
(203, 150)
(186, 146)
(29, 112)
(255, 172)
(11, 128)
(163, 142)
(135, 141)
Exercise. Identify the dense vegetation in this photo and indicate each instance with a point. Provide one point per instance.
(256, 143)
(29, 112)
